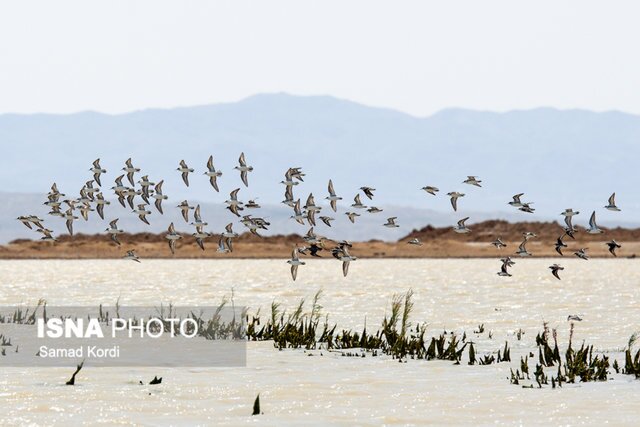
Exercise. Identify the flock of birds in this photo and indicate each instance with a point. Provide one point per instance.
(92, 199)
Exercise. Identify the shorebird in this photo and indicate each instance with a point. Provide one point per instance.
(333, 199)
(357, 204)
(97, 170)
(197, 219)
(54, 191)
(296, 173)
(574, 317)
(506, 263)
(582, 254)
(352, 216)
(431, 190)
(516, 203)
(612, 203)
(461, 227)
(526, 207)
(391, 222)
(157, 194)
(341, 252)
(130, 170)
(100, 203)
(184, 170)
(53, 202)
(25, 220)
(454, 199)
(48, 237)
(288, 197)
(244, 169)
(131, 255)
(559, 245)
(593, 227)
(415, 241)
(289, 181)
(172, 237)
(327, 220)
(119, 187)
(613, 245)
(221, 246)
(522, 249)
(252, 224)
(568, 215)
(297, 213)
(554, 270)
(313, 250)
(472, 180)
(84, 211)
(130, 194)
(142, 213)
(144, 186)
(69, 217)
(295, 263)
(311, 208)
(89, 189)
(113, 230)
(184, 209)
(213, 174)
(235, 205)
(374, 209)
(251, 204)
(507, 260)
(368, 191)
(228, 234)
(528, 235)
(498, 243)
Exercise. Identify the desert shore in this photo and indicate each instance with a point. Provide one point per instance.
(437, 243)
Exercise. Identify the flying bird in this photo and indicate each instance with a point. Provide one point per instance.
(472, 180)
(113, 230)
(131, 255)
(97, 171)
(213, 174)
(357, 204)
(582, 254)
(431, 190)
(593, 227)
(498, 243)
(244, 169)
(295, 263)
(391, 222)
(554, 270)
(333, 199)
(559, 245)
(172, 237)
(184, 169)
(612, 203)
(454, 199)
(613, 245)
(461, 227)
(368, 191)
(142, 213)
(130, 170)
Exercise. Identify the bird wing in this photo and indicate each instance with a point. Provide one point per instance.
(185, 177)
(241, 160)
(214, 183)
(612, 199)
(294, 272)
(331, 190)
(345, 268)
(245, 178)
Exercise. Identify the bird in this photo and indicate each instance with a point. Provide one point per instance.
(528, 235)
(526, 207)
(197, 218)
(612, 203)
(522, 249)
(97, 171)
(289, 181)
(506, 263)
(582, 254)
(415, 241)
(431, 190)
(156, 381)
(297, 213)
(100, 203)
(341, 252)
(311, 208)
(144, 185)
(368, 191)
(213, 174)
(184, 209)
(472, 180)
(221, 246)
(72, 380)
(454, 199)
(516, 203)
(131, 255)
(593, 227)
(288, 197)
(113, 230)
(172, 237)
(69, 217)
(554, 270)
(47, 236)
(184, 169)
(119, 186)
(357, 204)
(391, 222)
(333, 199)
(312, 238)
(374, 209)
(157, 194)
(352, 216)
(142, 213)
(251, 204)
(559, 245)
(574, 317)
(84, 209)
(295, 263)
(233, 199)
(498, 243)
(461, 227)
(613, 245)
(229, 234)
(130, 170)
(327, 220)
(244, 169)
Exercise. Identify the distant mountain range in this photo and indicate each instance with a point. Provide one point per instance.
(558, 158)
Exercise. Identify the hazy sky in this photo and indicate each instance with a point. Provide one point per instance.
(415, 56)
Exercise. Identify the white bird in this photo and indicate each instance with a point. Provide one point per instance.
(295, 263)
(213, 174)
(472, 180)
(333, 199)
(516, 203)
(461, 227)
(184, 169)
(172, 237)
(391, 222)
(593, 227)
(612, 203)
(244, 169)
(454, 199)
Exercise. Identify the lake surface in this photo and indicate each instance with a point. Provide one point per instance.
(298, 389)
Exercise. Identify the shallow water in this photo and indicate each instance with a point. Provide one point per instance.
(296, 388)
